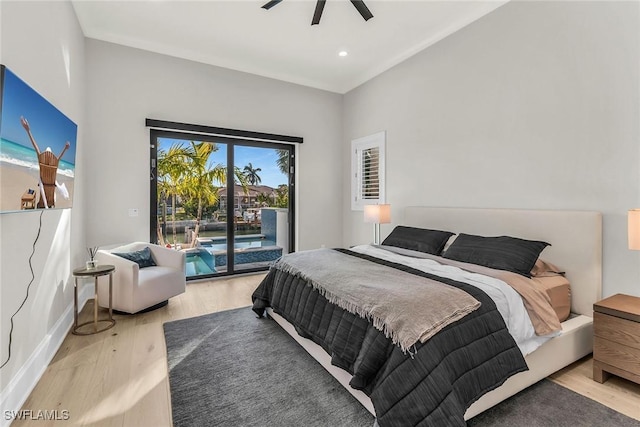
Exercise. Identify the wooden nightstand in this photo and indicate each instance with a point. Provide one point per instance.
(616, 344)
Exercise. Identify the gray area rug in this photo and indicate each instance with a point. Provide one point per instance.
(232, 369)
(547, 404)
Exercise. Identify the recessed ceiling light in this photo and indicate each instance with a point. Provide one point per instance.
(343, 53)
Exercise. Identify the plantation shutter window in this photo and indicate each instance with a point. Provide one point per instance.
(367, 169)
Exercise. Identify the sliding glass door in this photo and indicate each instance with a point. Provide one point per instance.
(226, 202)
(261, 221)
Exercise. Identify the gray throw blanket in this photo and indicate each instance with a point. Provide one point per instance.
(406, 307)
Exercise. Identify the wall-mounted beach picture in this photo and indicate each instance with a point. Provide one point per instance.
(37, 149)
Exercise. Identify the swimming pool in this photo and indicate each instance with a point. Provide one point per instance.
(199, 263)
(216, 244)
(205, 260)
(249, 255)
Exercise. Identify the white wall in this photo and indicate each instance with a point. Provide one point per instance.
(534, 106)
(127, 85)
(41, 42)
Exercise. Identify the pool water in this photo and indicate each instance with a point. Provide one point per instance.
(241, 242)
(204, 260)
(256, 255)
(238, 245)
(200, 263)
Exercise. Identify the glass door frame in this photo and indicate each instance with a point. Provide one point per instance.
(231, 143)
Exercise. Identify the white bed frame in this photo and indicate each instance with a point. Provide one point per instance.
(576, 239)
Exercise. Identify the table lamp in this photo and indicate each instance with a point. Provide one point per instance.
(634, 229)
(377, 214)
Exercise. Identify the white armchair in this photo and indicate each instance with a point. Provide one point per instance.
(136, 289)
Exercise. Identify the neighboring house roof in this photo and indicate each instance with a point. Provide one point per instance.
(252, 190)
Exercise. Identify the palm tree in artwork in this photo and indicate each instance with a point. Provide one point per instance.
(251, 174)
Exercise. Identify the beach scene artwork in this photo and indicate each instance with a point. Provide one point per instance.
(37, 149)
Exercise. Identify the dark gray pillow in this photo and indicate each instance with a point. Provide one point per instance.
(418, 239)
(142, 257)
(502, 253)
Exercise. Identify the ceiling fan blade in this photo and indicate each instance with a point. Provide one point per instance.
(364, 10)
(270, 4)
(318, 13)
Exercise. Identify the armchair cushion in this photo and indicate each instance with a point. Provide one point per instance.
(142, 257)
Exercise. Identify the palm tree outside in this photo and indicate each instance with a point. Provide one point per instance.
(199, 179)
(172, 167)
(192, 194)
(251, 174)
(283, 161)
(190, 187)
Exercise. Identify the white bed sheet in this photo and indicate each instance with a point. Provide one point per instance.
(508, 301)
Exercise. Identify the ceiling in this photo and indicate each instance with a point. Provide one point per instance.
(281, 43)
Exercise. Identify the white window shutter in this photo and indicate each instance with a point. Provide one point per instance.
(367, 171)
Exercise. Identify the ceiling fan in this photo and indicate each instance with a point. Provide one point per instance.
(358, 4)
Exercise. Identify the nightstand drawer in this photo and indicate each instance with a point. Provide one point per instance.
(617, 330)
(616, 342)
(618, 355)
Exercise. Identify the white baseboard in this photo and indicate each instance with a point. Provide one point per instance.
(22, 384)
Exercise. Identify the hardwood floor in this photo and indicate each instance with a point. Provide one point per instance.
(617, 393)
(119, 377)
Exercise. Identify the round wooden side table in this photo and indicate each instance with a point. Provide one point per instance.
(100, 270)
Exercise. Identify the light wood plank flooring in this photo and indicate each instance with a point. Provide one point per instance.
(119, 377)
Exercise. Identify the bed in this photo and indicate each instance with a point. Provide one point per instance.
(575, 237)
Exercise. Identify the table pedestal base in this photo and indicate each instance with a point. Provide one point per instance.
(107, 323)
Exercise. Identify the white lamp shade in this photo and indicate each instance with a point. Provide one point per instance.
(377, 214)
(634, 229)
